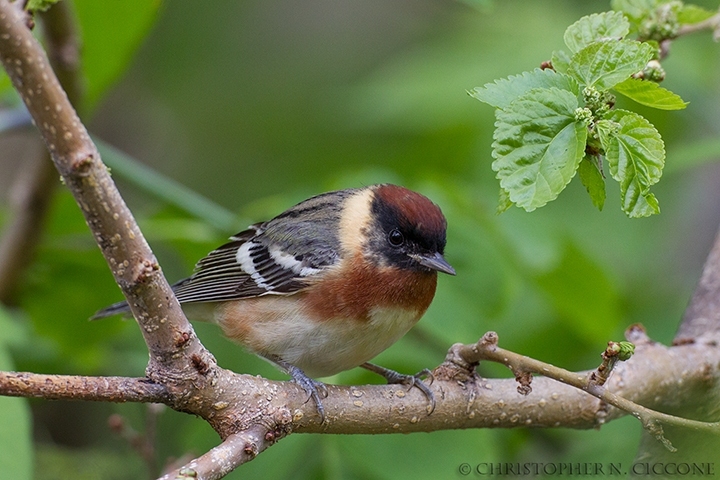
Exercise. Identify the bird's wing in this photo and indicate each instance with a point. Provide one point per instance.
(257, 262)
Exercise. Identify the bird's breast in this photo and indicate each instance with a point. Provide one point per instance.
(357, 289)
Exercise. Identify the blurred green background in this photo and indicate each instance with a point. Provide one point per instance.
(259, 104)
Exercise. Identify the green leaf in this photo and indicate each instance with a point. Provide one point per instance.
(625, 350)
(500, 93)
(636, 155)
(606, 129)
(636, 10)
(597, 27)
(690, 14)
(605, 64)
(39, 5)
(560, 61)
(504, 202)
(592, 179)
(650, 94)
(537, 146)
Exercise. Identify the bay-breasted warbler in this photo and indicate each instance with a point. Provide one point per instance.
(326, 285)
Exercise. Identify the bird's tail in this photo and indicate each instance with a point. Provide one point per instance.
(114, 309)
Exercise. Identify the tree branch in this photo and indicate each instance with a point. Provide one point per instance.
(658, 377)
(487, 349)
(235, 450)
(77, 387)
(712, 23)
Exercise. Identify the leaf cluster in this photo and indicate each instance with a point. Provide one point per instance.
(554, 122)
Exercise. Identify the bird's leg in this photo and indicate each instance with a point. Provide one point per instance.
(411, 380)
(313, 388)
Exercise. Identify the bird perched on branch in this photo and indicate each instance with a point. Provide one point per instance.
(326, 285)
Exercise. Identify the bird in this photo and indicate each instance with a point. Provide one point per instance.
(326, 285)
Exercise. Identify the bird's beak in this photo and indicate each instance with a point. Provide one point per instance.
(435, 262)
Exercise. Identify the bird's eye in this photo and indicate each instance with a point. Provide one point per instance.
(396, 238)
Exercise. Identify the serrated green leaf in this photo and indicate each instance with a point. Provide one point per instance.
(606, 129)
(500, 93)
(690, 14)
(636, 155)
(650, 94)
(594, 183)
(605, 64)
(597, 27)
(537, 146)
(504, 202)
(560, 61)
(635, 10)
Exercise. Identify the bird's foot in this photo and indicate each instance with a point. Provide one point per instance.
(410, 380)
(313, 388)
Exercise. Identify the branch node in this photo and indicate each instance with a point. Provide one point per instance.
(637, 334)
(524, 379)
(199, 364)
(251, 449)
(182, 339)
(489, 340)
(458, 365)
(282, 427)
(615, 351)
(186, 474)
(81, 165)
(654, 427)
(147, 268)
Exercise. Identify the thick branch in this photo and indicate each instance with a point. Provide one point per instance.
(251, 413)
(76, 387)
(658, 377)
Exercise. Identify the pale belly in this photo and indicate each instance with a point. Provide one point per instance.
(319, 349)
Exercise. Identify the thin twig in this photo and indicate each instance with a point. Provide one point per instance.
(487, 349)
(712, 23)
